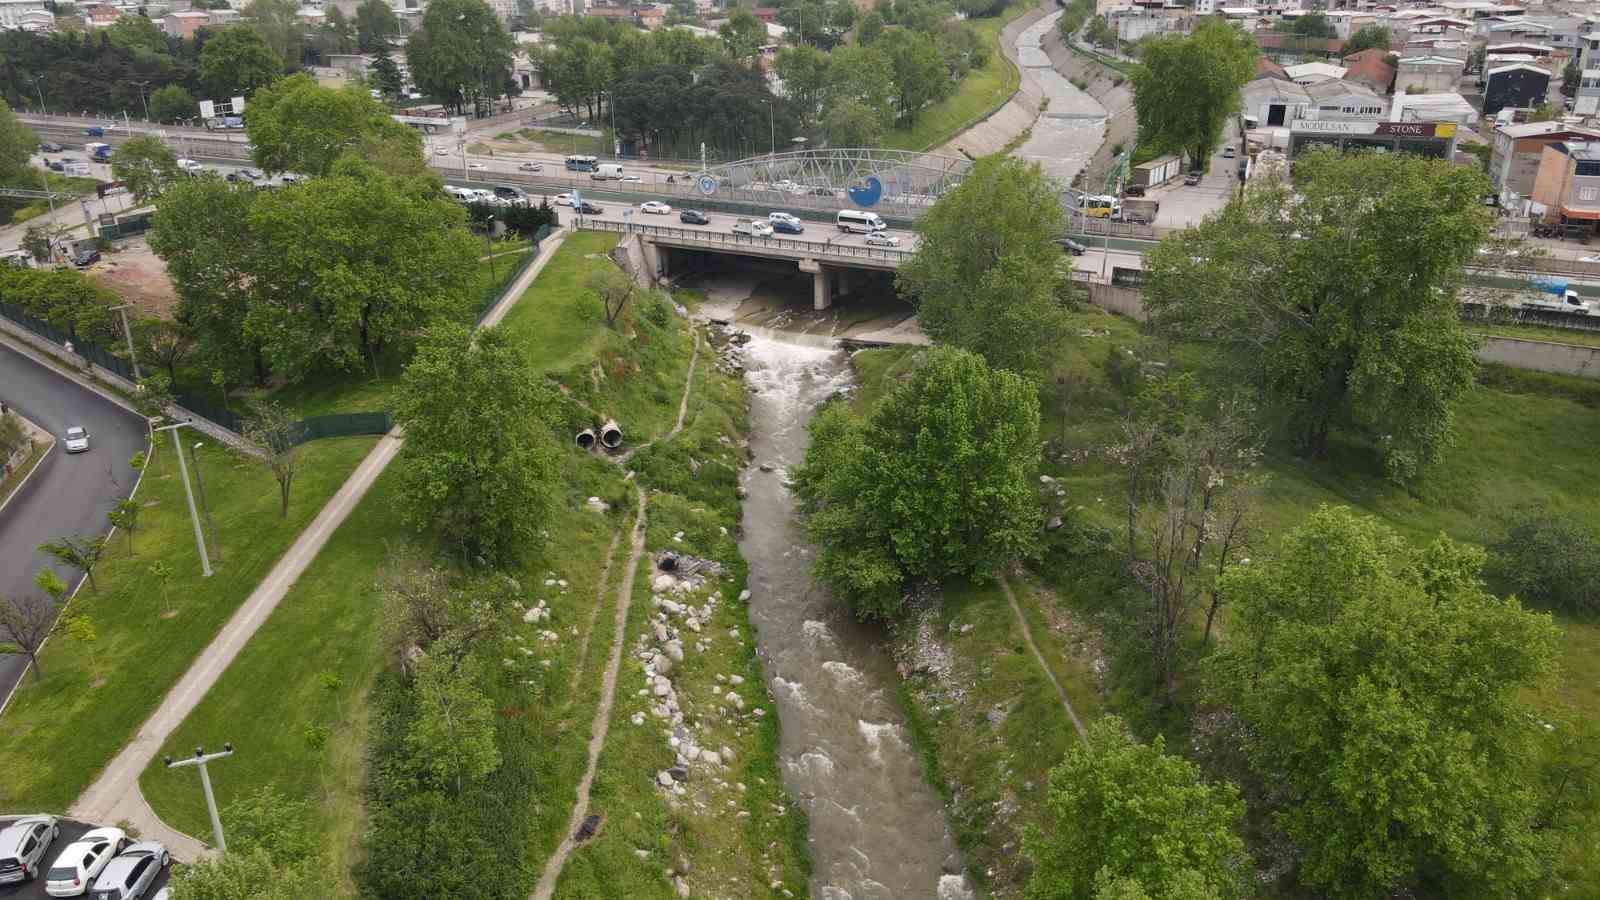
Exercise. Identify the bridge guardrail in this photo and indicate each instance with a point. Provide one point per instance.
(719, 238)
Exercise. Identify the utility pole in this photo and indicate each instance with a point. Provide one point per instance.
(146, 103)
(188, 493)
(772, 131)
(128, 333)
(40, 92)
(200, 758)
(216, 539)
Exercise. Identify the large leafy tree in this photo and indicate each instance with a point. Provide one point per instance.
(461, 53)
(1337, 298)
(920, 76)
(237, 61)
(345, 265)
(376, 25)
(385, 73)
(279, 23)
(171, 103)
(935, 482)
(1367, 38)
(17, 143)
(1381, 688)
(1130, 814)
(477, 465)
(146, 165)
(987, 276)
(1186, 86)
(862, 75)
(804, 71)
(298, 125)
(743, 34)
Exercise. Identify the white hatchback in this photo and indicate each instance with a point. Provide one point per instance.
(76, 867)
(77, 440)
(564, 200)
(655, 207)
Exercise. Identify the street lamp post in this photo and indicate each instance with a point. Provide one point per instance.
(128, 333)
(145, 103)
(200, 483)
(772, 131)
(188, 493)
(35, 79)
(200, 758)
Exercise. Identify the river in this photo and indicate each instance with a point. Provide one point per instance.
(1073, 124)
(878, 829)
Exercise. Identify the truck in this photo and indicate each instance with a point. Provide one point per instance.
(1140, 211)
(98, 152)
(604, 171)
(1555, 295)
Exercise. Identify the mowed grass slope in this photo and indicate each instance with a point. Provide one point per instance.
(59, 733)
(984, 90)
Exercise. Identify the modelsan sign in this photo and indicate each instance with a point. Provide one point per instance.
(1381, 129)
(1318, 127)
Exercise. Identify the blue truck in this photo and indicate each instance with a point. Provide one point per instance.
(98, 152)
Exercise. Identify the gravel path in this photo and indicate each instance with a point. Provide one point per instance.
(1027, 637)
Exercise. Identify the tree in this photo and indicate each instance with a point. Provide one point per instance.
(236, 61)
(80, 629)
(27, 621)
(248, 875)
(376, 25)
(1367, 38)
(161, 574)
(476, 464)
(146, 165)
(862, 75)
(17, 143)
(851, 123)
(268, 821)
(615, 288)
(1312, 25)
(1571, 77)
(139, 34)
(1549, 559)
(453, 732)
(1381, 688)
(272, 428)
(804, 72)
(36, 241)
(171, 103)
(935, 482)
(125, 515)
(426, 609)
(1300, 287)
(80, 551)
(13, 437)
(987, 275)
(385, 74)
(1186, 86)
(297, 125)
(743, 34)
(1545, 112)
(279, 24)
(919, 73)
(1100, 33)
(869, 28)
(1131, 814)
(461, 53)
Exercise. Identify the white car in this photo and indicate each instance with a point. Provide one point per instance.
(292, 178)
(655, 207)
(531, 167)
(76, 440)
(633, 178)
(879, 239)
(130, 874)
(476, 166)
(752, 227)
(189, 165)
(441, 151)
(789, 219)
(75, 868)
(564, 200)
(22, 847)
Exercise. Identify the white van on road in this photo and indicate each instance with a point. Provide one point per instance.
(605, 171)
(855, 221)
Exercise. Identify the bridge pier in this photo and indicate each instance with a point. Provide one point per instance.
(821, 283)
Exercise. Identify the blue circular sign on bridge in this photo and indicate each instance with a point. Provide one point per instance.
(707, 185)
(867, 194)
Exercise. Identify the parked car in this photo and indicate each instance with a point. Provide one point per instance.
(76, 439)
(655, 207)
(1071, 246)
(50, 147)
(130, 874)
(75, 868)
(1228, 152)
(1193, 178)
(881, 239)
(786, 223)
(192, 166)
(752, 227)
(55, 165)
(86, 256)
(1133, 190)
(292, 178)
(441, 151)
(22, 847)
(693, 217)
(563, 199)
(589, 209)
(531, 167)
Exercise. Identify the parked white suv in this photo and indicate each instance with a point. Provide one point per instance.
(130, 874)
(22, 847)
(76, 867)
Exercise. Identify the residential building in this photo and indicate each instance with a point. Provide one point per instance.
(182, 24)
(1560, 32)
(1310, 73)
(1514, 85)
(1371, 68)
(18, 13)
(1344, 101)
(1587, 102)
(99, 15)
(1443, 107)
(1477, 9)
(1568, 182)
(1517, 151)
(1428, 74)
(1520, 48)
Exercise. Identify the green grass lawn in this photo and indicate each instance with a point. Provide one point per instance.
(60, 732)
(72, 184)
(547, 321)
(1539, 333)
(9, 483)
(981, 92)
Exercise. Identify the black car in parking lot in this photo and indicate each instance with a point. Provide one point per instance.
(693, 217)
(86, 256)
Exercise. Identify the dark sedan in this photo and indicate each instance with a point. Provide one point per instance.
(693, 217)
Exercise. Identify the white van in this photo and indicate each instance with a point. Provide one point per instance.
(607, 170)
(854, 221)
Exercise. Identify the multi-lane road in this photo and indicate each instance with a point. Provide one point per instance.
(65, 494)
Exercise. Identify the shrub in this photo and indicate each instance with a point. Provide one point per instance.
(1548, 559)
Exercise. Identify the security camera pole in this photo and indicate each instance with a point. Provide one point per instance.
(200, 758)
(188, 493)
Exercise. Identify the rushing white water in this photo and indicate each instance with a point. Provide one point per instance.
(1073, 124)
(877, 828)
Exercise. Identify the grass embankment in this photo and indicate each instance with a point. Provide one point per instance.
(13, 480)
(59, 733)
(69, 184)
(1524, 439)
(1538, 333)
(983, 91)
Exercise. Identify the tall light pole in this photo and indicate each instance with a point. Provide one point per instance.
(145, 103)
(772, 131)
(200, 758)
(40, 92)
(188, 493)
(128, 333)
(216, 539)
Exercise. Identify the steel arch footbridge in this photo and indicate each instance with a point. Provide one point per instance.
(893, 183)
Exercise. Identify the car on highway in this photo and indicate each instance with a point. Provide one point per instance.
(22, 847)
(752, 228)
(94, 131)
(531, 167)
(1228, 152)
(510, 195)
(634, 179)
(564, 200)
(76, 439)
(441, 151)
(785, 223)
(86, 256)
(55, 165)
(246, 176)
(131, 873)
(1193, 178)
(75, 868)
(655, 207)
(589, 209)
(50, 147)
(1072, 247)
(191, 166)
(694, 217)
(476, 166)
(880, 239)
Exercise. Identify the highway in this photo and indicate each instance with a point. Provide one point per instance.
(825, 234)
(66, 494)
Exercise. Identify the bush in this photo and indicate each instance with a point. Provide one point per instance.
(1548, 559)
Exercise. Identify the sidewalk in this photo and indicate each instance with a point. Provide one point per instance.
(115, 795)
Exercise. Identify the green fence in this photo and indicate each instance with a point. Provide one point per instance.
(341, 425)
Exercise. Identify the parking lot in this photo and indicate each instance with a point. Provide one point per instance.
(70, 831)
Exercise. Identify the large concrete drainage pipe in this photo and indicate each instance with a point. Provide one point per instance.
(611, 435)
(586, 439)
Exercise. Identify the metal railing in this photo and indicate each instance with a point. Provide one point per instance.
(728, 239)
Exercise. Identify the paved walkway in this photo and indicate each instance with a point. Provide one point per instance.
(115, 795)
